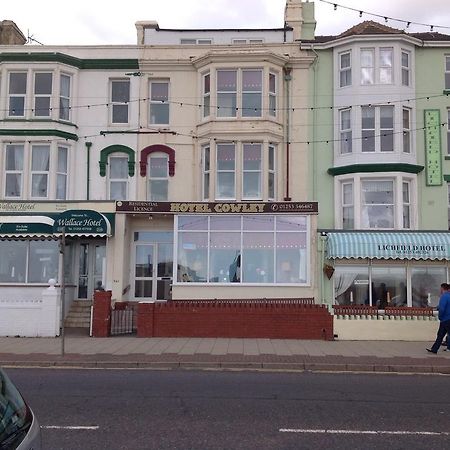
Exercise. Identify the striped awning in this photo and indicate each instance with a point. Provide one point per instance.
(389, 245)
(26, 226)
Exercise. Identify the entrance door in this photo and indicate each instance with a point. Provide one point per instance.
(153, 266)
(91, 269)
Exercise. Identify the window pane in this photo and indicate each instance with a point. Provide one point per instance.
(13, 185)
(13, 261)
(226, 105)
(118, 190)
(386, 57)
(120, 113)
(351, 285)
(291, 258)
(14, 157)
(39, 183)
(225, 185)
(228, 223)
(258, 258)
(225, 257)
(388, 286)
(120, 91)
(251, 105)
(65, 86)
(159, 190)
(345, 60)
(225, 157)
(272, 82)
(192, 257)
(385, 75)
(42, 106)
(61, 187)
(226, 80)
(368, 117)
(252, 185)
(159, 113)
(378, 208)
(252, 80)
(118, 167)
(258, 223)
(17, 83)
(43, 261)
(159, 91)
(425, 285)
(252, 157)
(192, 223)
(43, 83)
(64, 111)
(17, 106)
(40, 158)
(366, 75)
(291, 223)
(159, 167)
(62, 159)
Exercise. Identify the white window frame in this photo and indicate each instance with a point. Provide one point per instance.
(206, 94)
(225, 171)
(406, 68)
(45, 95)
(271, 172)
(151, 178)
(64, 98)
(389, 69)
(206, 170)
(345, 133)
(60, 173)
(19, 95)
(348, 205)
(19, 171)
(155, 103)
(447, 73)
(43, 172)
(377, 131)
(120, 104)
(369, 68)
(345, 73)
(273, 94)
(406, 123)
(248, 172)
(124, 181)
(221, 110)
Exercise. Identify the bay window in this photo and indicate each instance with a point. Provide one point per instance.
(377, 128)
(345, 131)
(42, 94)
(226, 93)
(64, 97)
(257, 249)
(206, 86)
(159, 102)
(16, 94)
(345, 69)
(251, 93)
(405, 68)
(251, 171)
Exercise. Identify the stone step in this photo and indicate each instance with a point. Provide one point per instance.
(74, 323)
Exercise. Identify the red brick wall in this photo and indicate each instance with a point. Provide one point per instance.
(101, 320)
(222, 319)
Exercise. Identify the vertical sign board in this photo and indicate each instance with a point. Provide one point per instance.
(433, 157)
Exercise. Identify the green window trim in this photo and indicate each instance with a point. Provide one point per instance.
(25, 133)
(122, 64)
(365, 168)
(62, 122)
(104, 154)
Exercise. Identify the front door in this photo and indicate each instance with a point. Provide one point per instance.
(153, 271)
(91, 268)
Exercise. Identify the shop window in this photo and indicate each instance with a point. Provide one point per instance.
(14, 159)
(425, 285)
(351, 285)
(226, 171)
(120, 98)
(206, 164)
(40, 166)
(345, 69)
(206, 86)
(388, 286)
(118, 177)
(345, 131)
(251, 171)
(158, 181)
(42, 94)
(447, 73)
(17, 93)
(159, 102)
(243, 249)
(64, 97)
(406, 72)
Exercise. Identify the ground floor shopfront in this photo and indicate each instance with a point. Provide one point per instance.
(171, 250)
(385, 268)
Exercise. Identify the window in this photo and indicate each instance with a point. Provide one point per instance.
(406, 206)
(226, 93)
(120, 97)
(259, 249)
(251, 171)
(159, 103)
(40, 166)
(346, 131)
(195, 41)
(272, 172)
(272, 94)
(448, 131)
(406, 130)
(61, 174)
(158, 182)
(251, 93)
(42, 94)
(14, 159)
(405, 69)
(247, 41)
(386, 65)
(118, 177)
(367, 66)
(17, 92)
(206, 153)
(447, 73)
(345, 69)
(377, 128)
(377, 204)
(64, 97)
(348, 221)
(206, 95)
(226, 171)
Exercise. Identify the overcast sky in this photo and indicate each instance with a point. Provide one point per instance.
(93, 22)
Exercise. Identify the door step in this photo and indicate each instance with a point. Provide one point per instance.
(79, 314)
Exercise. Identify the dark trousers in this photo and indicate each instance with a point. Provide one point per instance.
(444, 328)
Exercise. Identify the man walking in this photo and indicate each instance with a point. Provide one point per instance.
(444, 317)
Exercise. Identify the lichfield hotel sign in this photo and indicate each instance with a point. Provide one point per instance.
(217, 208)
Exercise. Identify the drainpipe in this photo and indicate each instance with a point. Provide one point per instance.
(88, 176)
(287, 79)
(314, 156)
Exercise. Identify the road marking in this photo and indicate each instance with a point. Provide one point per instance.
(61, 427)
(373, 432)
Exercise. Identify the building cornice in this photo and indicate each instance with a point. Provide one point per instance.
(41, 133)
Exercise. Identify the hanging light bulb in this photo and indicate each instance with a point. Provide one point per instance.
(335, 6)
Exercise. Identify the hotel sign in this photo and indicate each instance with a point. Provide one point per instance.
(217, 208)
(433, 166)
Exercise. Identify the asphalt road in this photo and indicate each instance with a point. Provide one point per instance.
(143, 409)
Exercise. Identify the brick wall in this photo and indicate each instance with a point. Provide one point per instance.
(263, 319)
(101, 319)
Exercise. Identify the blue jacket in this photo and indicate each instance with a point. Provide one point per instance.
(444, 307)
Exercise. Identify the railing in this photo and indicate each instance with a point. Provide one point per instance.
(123, 321)
(273, 301)
(389, 311)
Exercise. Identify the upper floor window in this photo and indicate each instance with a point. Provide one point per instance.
(272, 94)
(226, 93)
(17, 93)
(405, 68)
(377, 67)
(195, 41)
(406, 205)
(345, 69)
(206, 94)
(271, 172)
(251, 93)
(377, 204)
(406, 130)
(206, 166)
(348, 220)
(241, 41)
(14, 161)
(226, 171)
(42, 94)
(385, 73)
(448, 204)
(158, 177)
(448, 131)
(251, 171)
(40, 166)
(64, 97)
(61, 173)
(345, 131)
(377, 128)
(159, 102)
(447, 72)
(368, 66)
(120, 97)
(118, 177)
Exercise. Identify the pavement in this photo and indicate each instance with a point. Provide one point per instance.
(80, 350)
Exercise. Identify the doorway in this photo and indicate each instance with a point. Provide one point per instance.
(91, 268)
(152, 271)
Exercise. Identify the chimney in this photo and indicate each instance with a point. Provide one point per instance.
(10, 34)
(299, 16)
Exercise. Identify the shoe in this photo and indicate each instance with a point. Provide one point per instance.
(431, 351)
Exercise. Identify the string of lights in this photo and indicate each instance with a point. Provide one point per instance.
(386, 18)
(237, 109)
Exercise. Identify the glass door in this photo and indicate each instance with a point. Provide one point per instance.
(91, 268)
(143, 272)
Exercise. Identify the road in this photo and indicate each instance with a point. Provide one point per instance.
(143, 409)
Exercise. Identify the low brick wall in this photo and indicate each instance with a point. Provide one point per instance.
(101, 317)
(263, 319)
